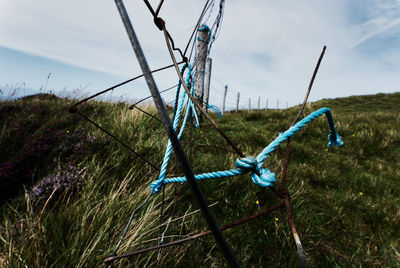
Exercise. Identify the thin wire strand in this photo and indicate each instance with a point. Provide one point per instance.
(159, 8)
(118, 85)
(206, 6)
(196, 236)
(148, 97)
(117, 139)
(129, 223)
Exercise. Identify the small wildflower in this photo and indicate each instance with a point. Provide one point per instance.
(353, 135)
(257, 202)
(68, 179)
(67, 131)
(326, 149)
(276, 219)
(361, 193)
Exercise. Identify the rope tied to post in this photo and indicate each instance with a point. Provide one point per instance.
(259, 175)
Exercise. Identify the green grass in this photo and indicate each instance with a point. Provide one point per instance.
(345, 201)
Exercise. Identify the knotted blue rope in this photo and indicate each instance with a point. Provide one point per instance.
(156, 185)
(259, 175)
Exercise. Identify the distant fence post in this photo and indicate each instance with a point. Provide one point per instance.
(249, 105)
(237, 102)
(207, 83)
(258, 105)
(266, 105)
(202, 47)
(223, 102)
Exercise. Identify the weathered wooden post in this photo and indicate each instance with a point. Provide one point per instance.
(237, 102)
(223, 102)
(248, 110)
(258, 105)
(202, 45)
(207, 83)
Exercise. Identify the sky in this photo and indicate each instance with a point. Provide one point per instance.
(265, 48)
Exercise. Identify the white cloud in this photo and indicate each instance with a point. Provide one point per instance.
(266, 48)
(381, 17)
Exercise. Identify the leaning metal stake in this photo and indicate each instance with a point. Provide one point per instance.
(226, 250)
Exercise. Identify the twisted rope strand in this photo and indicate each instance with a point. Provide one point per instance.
(259, 175)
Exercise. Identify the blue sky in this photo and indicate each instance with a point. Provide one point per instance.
(265, 48)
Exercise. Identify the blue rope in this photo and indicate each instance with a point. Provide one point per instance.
(215, 109)
(259, 175)
(204, 28)
(176, 117)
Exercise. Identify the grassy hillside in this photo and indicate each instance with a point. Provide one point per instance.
(67, 190)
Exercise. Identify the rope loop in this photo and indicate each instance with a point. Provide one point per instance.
(156, 185)
(334, 140)
(260, 176)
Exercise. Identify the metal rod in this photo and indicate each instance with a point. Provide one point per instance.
(197, 25)
(159, 8)
(310, 86)
(282, 189)
(162, 91)
(118, 85)
(180, 154)
(146, 113)
(117, 139)
(126, 229)
(296, 237)
(196, 236)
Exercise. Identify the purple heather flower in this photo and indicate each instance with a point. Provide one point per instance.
(67, 179)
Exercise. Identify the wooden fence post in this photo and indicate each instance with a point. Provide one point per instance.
(207, 83)
(202, 47)
(237, 102)
(223, 102)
